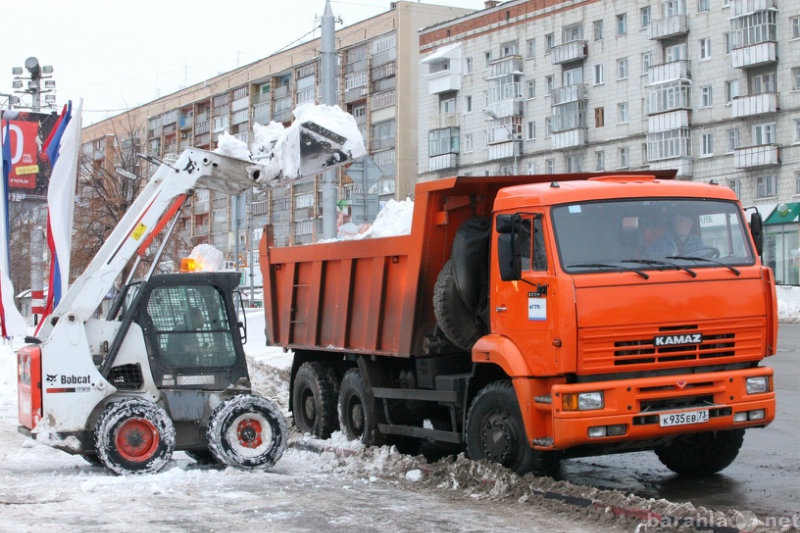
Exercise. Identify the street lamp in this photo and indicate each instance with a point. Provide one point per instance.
(511, 134)
(39, 82)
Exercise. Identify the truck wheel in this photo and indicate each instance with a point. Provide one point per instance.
(495, 432)
(459, 323)
(357, 409)
(247, 431)
(314, 400)
(134, 436)
(701, 454)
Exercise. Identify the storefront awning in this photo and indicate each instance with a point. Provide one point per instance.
(788, 213)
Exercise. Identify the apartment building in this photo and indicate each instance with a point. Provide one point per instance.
(378, 70)
(710, 88)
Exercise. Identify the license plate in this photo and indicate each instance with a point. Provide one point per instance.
(683, 418)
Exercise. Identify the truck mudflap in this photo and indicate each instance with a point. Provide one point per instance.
(652, 408)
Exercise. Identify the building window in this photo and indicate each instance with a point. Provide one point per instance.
(530, 130)
(622, 112)
(766, 186)
(795, 27)
(573, 32)
(797, 130)
(764, 134)
(797, 181)
(622, 24)
(763, 83)
(623, 157)
(705, 48)
(599, 117)
(468, 65)
(622, 68)
(795, 78)
(508, 49)
(550, 166)
(443, 141)
(599, 160)
(705, 96)
(707, 140)
(598, 74)
(754, 28)
(644, 16)
(468, 104)
(487, 58)
(676, 52)
(733, 140)
(531, 47)
(647, 61)
(531, 88)
(548, 129)
(575, 163)
(736, 186)
(598, 29)
(468, 142)
(549, 42)
(731, 90)
(548, 83)
(727, 38)
(703, 6)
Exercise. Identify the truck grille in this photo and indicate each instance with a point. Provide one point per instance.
(643, 348)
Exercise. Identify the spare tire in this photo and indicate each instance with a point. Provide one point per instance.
(459, 324)
(470, 257)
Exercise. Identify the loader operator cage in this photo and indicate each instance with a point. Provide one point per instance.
(646, 234)
(191, 327)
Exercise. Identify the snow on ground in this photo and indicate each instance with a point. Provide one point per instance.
(332, 484)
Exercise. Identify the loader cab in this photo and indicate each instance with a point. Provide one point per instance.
(193, 327)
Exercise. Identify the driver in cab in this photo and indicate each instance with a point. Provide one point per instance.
(681, 238)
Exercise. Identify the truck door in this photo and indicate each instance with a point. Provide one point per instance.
(524, 308)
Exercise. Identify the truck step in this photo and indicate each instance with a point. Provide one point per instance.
(425, 395)
(421, 433)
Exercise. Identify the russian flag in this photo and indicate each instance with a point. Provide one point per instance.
(62, 148)
(11, 321)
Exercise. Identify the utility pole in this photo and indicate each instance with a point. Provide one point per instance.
(328, 97)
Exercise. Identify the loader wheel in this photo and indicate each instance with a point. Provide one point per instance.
(134, 436)
(701, 454)
(358, 410)
(247, 431)
(459, 324)
(314, 400)
(495, 432)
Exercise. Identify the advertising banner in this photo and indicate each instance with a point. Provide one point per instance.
(27, 131)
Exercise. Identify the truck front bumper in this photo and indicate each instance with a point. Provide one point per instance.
(654, 408)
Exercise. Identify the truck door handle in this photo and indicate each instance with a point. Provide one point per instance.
(501, 308)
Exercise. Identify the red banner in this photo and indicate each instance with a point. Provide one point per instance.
(24, 154)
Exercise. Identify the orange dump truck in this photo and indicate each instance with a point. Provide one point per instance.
(533, 318)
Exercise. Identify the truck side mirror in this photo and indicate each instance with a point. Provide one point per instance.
(507, 255)
(757, 231)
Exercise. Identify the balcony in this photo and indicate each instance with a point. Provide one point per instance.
(754, 55)
(763, 155)
(570, 93)
(669, 121)
(441, 162)
(506, 108)
(569, 52)
(683, 166)
(668, 27)
(674, 70)
(568, 139)
(503, 150)
(504, 66)
(754, 104)
(744, 7)
(444, 120)
(443, 81)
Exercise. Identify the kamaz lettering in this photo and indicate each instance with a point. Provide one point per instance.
(673, 340)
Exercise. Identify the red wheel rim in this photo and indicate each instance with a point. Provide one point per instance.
(248, 432)
(137, 440)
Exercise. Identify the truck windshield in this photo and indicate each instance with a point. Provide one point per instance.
(651, 234)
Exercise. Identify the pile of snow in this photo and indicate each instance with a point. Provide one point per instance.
(393, 220)
(208, 258)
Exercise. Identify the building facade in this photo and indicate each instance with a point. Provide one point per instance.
(378, 61)
(710, 88)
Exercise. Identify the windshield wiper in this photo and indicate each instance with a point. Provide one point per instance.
(654, 262)
(695, 258)
(645, 275)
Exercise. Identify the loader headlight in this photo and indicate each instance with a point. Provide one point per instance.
(583, 401)
(757, 385)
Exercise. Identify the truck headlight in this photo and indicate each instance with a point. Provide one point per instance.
(584, 401)
(757, 385)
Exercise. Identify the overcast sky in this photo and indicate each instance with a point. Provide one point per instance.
(118, 55)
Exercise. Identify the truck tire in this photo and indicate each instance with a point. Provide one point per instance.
(701, 454)
(134, 436)
(459, 324)
(358, 410)
(495, 432)
(247, 432)
(314, 400)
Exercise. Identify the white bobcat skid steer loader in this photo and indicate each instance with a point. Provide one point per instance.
(165, 370)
